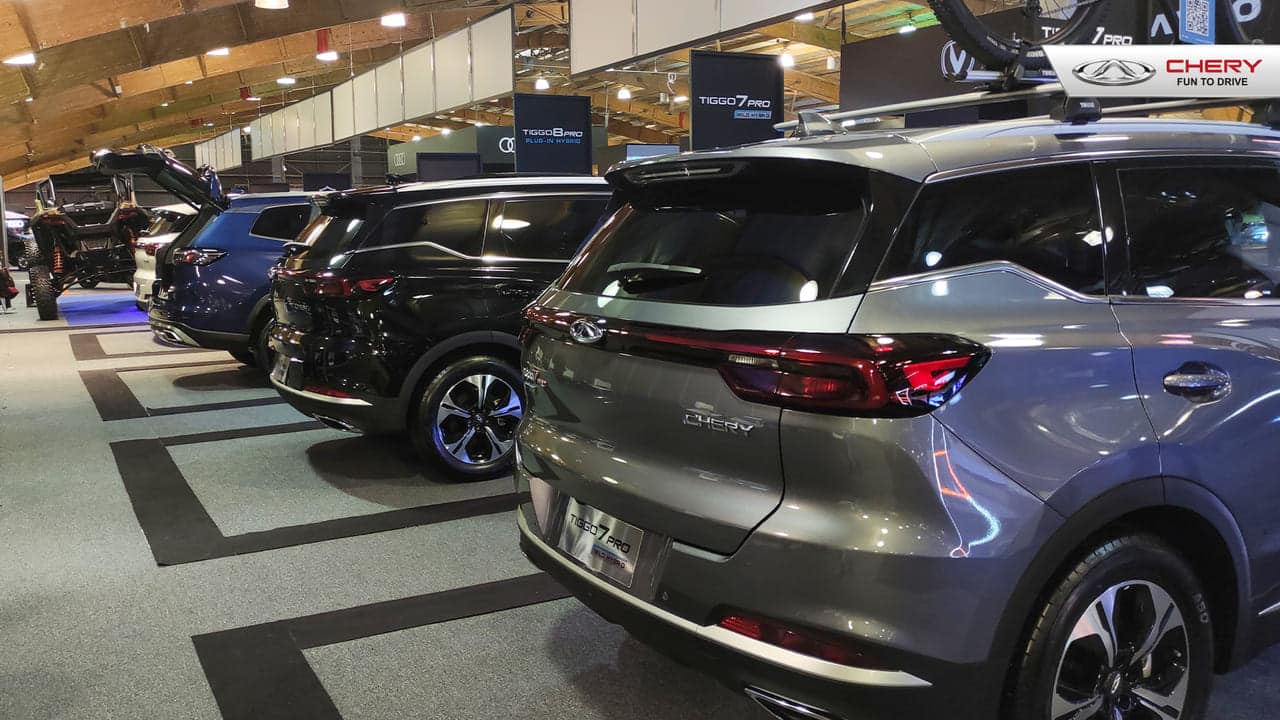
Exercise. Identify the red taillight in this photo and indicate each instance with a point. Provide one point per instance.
(331, 284)
(327, 392)
(797, 639)
(196, 256)
(150, 248)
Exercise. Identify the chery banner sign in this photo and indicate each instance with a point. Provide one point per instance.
(1168, 71)
(553, 133)
(736, 98)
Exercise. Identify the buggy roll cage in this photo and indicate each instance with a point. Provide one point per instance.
(47, 196)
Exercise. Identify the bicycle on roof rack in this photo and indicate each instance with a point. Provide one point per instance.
(1047, 22)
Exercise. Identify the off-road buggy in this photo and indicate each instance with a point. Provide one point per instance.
(83, 232)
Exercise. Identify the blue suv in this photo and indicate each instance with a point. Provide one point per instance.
(212, 288)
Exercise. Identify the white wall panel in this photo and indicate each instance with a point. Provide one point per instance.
(600, 33)
(390, 80)
(492, 53)
(268, 136)
(292, 132)
(662, 24)
(237, 149)
(324, 119)
(419, 82)
(453, 70)
(221, 152)
(739, 13)
(307, 123)
(255, 139)
(344, 118)
(279, 123)
(365, 94)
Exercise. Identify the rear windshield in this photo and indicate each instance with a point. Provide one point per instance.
(329, 235)
(737, 242)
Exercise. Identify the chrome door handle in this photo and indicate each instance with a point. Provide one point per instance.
(1198, 382)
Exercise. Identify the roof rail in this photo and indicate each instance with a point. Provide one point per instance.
(973, 99)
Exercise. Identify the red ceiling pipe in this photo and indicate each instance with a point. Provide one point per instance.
(322, 41)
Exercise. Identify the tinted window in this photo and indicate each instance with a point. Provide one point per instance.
(1044, 219)
(282, 223)
(330, 235)
(457, 226)
(1207, 232)
(547, 228)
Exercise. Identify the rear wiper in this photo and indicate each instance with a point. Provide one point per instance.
(634, 274)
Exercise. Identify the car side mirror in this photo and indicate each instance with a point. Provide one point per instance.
(293, 248)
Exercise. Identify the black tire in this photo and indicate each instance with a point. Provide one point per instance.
(260, 343)
(995, 49)
(22, 262)
(481, 458)
(244, 357)
(30, 255)
(1134, 567)
(88, 284)
(45, 294)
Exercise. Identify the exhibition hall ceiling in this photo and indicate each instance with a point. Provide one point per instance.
(140, 71)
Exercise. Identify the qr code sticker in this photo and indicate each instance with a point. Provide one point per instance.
(1197, 19)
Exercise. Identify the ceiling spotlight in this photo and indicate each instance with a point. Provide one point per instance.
(786, 59)
(831, 62)
(394, 20)
(286, 81)
(324, 53)
(446, 131)
(481, 123)
(219, 52)
(416, 138)
(188, 82)
(23, 59)
(680, 99)
(327, 56)
(906, 29)
(805, 17)
(164, 104)
(624, 93)
(271, 4)
(253, 98)
(208, 124)
(248, 129)
(541, 84)
(28, 99)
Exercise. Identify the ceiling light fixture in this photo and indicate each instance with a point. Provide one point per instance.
(806, 17)
(417, 138)
(271, 4)
(907, 29)
(831, 62)
(188, 82)
(248, 129)
(624, 93)
(253, 98)
(23, 59)
(28, 99)
(541, 84)
(164, 104)
(219, 52)
(286, 81)
(786, 59)
(680, 99)
(324, 53)
(394, 20)
(446, 131)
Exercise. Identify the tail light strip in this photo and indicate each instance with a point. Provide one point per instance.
(327, 283)
(856, 375)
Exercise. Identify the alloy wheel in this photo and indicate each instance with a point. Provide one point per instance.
(476, 419)
(1127, 658)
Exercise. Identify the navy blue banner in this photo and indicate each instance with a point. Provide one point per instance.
(736, 98)
(553, 133)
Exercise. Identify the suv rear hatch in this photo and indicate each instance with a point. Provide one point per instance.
(629, 412)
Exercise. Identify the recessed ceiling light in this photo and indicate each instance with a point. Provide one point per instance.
(541, 84)
(271, 4)
(786, 59)
(446, 131)
(394, 20)
(805, 17)
(219, 52)
(164, 104)
(417, 138)
(23, 59)
(286, 81)
(624, 93)
(906, 29)
(327, 56)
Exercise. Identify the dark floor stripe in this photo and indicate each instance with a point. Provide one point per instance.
(180, 530)
(210, 407)
(175, 366)
(70, 328)
(111, 396)
(237, 433)
(260, 672)
(86, 346)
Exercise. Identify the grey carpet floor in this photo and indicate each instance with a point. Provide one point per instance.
(91, 628)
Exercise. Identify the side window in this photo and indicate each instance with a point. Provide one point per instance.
(1203, 232)
(545, 228)
(1044, 219)
(457, 226)
(281, 223)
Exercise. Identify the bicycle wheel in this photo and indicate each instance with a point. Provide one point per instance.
(1042, 22)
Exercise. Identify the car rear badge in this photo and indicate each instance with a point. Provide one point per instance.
(586, 332)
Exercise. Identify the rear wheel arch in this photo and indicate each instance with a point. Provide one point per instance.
(1179, 512)
(481, 342)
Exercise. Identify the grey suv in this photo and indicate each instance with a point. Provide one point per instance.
(966, 423)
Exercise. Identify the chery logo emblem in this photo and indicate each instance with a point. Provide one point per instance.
(1114, 72)
(586, 332)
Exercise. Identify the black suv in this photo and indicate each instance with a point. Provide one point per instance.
(403, 310)
(84, 229)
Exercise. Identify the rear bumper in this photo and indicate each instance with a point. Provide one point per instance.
(364, 411)
(177, 333)
(824, 689)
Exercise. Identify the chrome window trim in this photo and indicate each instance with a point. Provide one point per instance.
(1099, 156)
(1270, 611)
(1003, 266)
(771, 654)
